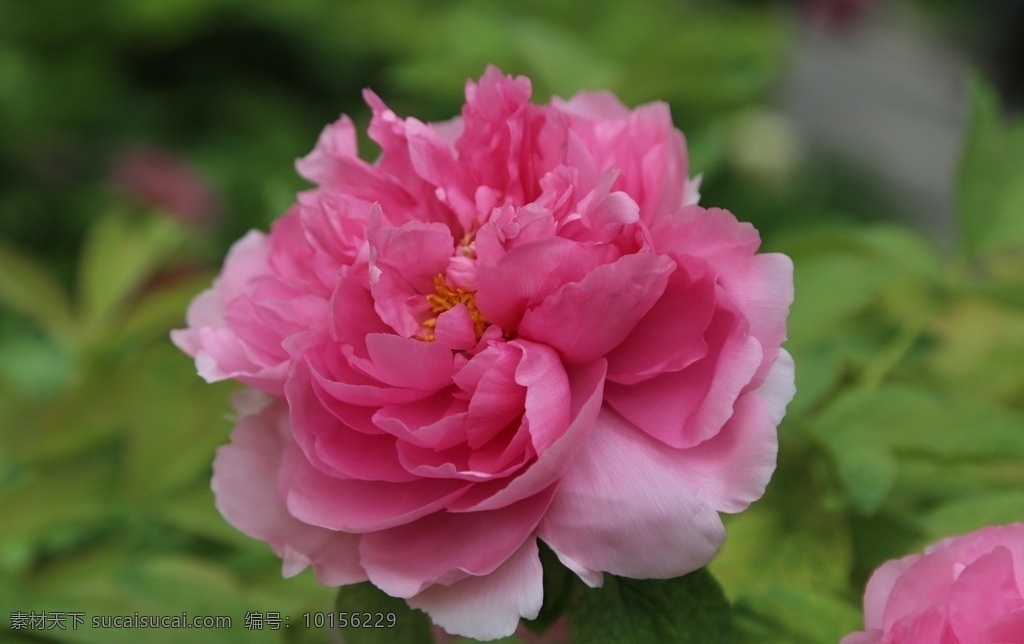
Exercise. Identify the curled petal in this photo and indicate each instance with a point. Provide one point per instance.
(404, 560)
(244, 484)
(626, 507)
(488, 607)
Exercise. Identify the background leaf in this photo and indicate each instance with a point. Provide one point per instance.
(32, 291)
(691, 608)
(119, 255)
(991, 187)
(411, 625)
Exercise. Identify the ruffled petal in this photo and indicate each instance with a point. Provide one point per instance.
(245, 487)
(687, 407)
(585, 320)
(627, 507)
(488, 607)
(351, 505)
(444, 548)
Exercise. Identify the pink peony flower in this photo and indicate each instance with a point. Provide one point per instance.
(962, 590)
(515, 325)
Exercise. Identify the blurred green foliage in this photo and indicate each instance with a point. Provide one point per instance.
(909, 421)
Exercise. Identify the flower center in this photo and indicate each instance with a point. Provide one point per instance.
(444, 298)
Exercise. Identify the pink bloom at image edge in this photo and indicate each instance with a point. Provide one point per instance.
(962, 590)
(514, 325)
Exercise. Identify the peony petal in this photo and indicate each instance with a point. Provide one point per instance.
(688, 407)
(488, 607)
(333, 447)
(984, 591)
(929, 627)
(585, 320)
(779, 386)
(404, 560)
(670, 336)
(711, 234)
(358, 506)
(1005, 629)
(731, 470)
(762, 289)
(925, 584)
(220, 347)
(405, 362)
(880, 586)
(528, 274)
(548, 394)
(337, 141)
(585, 386)
(626, 508)
(455, 329)
(596, 105)
(405, 262)
(435, 424)
(244, 484)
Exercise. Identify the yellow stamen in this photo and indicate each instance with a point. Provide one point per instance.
(444, 298)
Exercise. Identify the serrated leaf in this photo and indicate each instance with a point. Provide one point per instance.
(691, 608)
(411, 625)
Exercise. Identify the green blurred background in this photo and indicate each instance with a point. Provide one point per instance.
(139, 138)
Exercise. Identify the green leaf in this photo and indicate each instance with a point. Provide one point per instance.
(866, 430)
(193, 511)
(161, 310)
(156, 586)
(691, 608)
(915, 420)
(965, 515)
(980, 350)
(834, 278)
(559, 59)
(991, 186)
(120, 254)
(30, 290)
(411, 625)
(173, 422)
(799, 615)
(36, 366)
(786, 535)
(56, 499)
(867, 471)
(819, 369)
